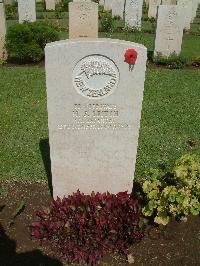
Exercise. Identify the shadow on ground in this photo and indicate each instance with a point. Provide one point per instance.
(9, 257)
(45, 152)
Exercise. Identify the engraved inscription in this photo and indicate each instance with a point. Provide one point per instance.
(95, 77)
(95, 117)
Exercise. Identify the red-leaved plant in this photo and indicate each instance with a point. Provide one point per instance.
(82, 228)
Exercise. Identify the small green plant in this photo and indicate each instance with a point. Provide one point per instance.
(116, 17)
(174, 194)
(196, 61)
(173, 61)
(106, 24)
(25, 42)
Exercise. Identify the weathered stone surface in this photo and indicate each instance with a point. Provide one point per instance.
(168, 2)
(108, 4)
(94, 109)
(169, 31)
(2, 32)
(101, 2)
(50, 4)
(26, 10)
(133, 13)
(118, 8)
(186, 6)
(153, 7)
(83, 19)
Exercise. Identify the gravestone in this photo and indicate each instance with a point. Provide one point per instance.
(26, 10)
(83, 19)
(94, 110)
(195, 4)
(101, 2)
(133, 13)
(50, 4)
(118, 8)
(169, 31)
(186, 6)
(153, 8)
(168, 2)
(8, 2)
(108, 4)
(2, 32)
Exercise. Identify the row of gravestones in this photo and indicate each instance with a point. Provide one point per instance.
(131, 10)
(83, 22)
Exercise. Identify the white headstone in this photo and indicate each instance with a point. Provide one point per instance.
(108, 4)
(133, 13)
(195, 4)
(186, 6)
(94, 109)
(83, 19)
(50, 4)
(153, 7)
(101, 2)
(26, 10)
(2, 32)
(168, 2)
(118, 8)
(169, 31)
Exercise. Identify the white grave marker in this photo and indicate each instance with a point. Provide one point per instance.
(133, 13)
(186, 6)
(118, 8)
(153, 8)
(108, 4)
(26, 10)
(94, 110)
(2, 32)
(169, 31)
(50, 4)
(83, 19)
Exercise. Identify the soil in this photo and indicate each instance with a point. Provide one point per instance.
(176, 244)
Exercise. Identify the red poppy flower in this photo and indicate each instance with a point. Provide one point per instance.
(130, 56)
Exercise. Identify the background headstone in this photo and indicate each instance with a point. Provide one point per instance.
(168, 2)
(101, 2)
(186, 6)
(50, 4)
(83, 19)
(26, 10)
(153, 7)
(118, 8)
(94, 109)
(108, 4)
(169, 31)
(133, 13)
(2, 32)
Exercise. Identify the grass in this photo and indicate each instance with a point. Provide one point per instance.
(170, 118)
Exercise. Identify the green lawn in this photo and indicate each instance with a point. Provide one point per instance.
(170, 117)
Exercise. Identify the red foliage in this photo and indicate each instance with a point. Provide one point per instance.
(130, 56)
(83, 227)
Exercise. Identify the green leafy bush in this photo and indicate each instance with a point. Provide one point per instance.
(173, 61)
(106, 24)
(25, 42)
(11, 12)
(174, 194)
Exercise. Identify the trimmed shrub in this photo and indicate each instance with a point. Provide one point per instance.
(82, 228)
(25, 42)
